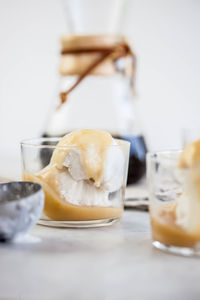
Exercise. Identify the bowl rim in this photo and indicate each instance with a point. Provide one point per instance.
(39, 189)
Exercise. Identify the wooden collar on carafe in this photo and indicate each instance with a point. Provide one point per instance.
(107, 48)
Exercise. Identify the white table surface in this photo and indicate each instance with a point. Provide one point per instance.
(116, 262)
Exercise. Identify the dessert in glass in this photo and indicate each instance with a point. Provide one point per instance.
(174, 191)
(84, 182)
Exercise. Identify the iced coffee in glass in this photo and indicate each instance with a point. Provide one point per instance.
(174, 191)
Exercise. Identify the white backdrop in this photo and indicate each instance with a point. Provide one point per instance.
(165, 36)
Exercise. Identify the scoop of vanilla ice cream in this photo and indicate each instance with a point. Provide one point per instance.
(82, 192)
(73, 162)
(90, 166)
(113, 167)
(188, 204)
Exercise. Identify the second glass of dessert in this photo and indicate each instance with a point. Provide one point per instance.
(174, 191)
(83, 175)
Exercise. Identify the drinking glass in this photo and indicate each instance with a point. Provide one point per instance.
(167, 182)
(67, 202)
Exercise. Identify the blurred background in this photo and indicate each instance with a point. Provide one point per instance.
(165, 36)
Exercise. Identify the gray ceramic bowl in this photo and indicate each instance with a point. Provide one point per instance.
(21, 204)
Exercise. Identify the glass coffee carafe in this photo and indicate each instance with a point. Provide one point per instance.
(97, 70)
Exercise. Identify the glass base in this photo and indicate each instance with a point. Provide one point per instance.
(184, 251)
(78, 224)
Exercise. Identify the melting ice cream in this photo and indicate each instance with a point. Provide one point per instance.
(85, 177)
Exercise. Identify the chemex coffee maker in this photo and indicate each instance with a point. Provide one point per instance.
(97, 72)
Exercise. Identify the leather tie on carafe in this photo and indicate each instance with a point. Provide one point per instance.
(113, 53)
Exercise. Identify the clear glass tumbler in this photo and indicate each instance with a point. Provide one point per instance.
(171, 205)
(71, 202)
